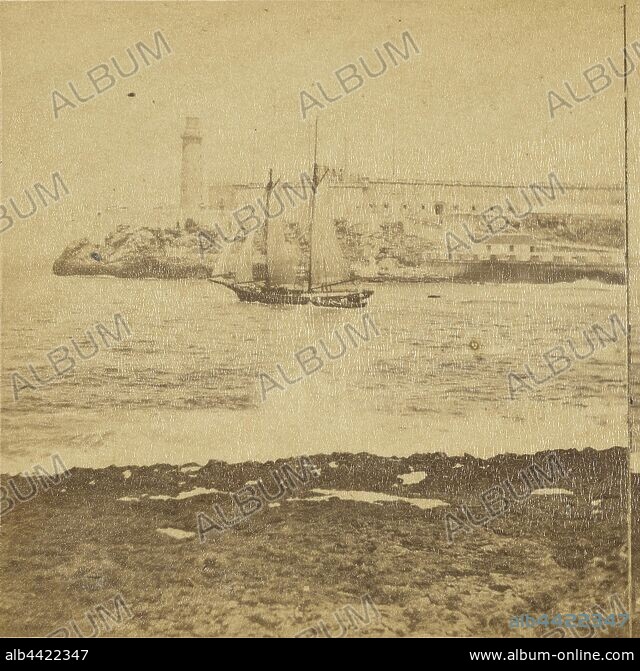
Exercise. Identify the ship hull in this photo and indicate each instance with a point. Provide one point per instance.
(348, 299)
(254, 293)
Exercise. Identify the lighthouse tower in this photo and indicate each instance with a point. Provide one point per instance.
(191, 176)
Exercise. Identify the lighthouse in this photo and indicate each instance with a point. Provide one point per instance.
(191, 175)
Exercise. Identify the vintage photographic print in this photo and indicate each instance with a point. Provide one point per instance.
(319, 320)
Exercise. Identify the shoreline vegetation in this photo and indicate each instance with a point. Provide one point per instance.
(364, 527)
(189, 253)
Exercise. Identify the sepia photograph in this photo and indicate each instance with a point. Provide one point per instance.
(318, 320)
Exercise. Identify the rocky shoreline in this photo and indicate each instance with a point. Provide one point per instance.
(139, 253)
(359, 528)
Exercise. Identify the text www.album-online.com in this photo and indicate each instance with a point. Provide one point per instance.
(540, 655)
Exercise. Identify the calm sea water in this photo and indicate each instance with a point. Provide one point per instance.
(184, 386)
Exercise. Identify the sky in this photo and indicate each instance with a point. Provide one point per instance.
(473, 105)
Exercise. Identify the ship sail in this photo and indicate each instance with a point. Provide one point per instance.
(223, 262)
(281, 266)
(241, 260)
(328, 265)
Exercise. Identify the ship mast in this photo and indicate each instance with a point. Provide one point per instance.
(314, 187)
(269, 188)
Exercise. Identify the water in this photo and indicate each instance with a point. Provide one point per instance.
(184, 385)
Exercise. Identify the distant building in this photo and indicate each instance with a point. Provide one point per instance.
(517, 247)
(421, 208)
(509, 247)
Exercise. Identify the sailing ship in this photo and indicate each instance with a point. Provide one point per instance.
(326, 269)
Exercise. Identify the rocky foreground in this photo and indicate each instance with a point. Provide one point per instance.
(358, 527)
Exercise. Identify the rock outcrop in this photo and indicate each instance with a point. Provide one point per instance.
(137, 253)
